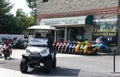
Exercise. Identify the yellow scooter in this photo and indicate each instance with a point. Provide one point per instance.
(77, 48)
(89, 49)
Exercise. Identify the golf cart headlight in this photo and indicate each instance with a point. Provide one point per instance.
(28, 52)
(43, 52)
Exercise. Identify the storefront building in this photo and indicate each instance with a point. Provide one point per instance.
(81, 19)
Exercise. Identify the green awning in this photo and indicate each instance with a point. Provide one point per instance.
(89, 20)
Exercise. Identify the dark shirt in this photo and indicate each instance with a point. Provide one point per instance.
(50, 40)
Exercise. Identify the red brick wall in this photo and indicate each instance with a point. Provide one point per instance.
(112, 10)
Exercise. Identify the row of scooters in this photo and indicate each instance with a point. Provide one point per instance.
(78, 47)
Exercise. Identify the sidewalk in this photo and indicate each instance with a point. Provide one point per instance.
(18, 53)
(12, 73)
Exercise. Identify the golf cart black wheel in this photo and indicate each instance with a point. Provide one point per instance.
(23, 66)
(54, 63)
(31, 65)
(47, 65)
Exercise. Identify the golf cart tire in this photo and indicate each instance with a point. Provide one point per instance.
(31, 65)
(54, 63)
(23, 66)
(47, 65)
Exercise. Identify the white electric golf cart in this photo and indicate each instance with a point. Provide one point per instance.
(37, 51)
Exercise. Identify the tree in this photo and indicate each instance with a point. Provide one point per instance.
(6, 20)
(5, 7)
(23, 21)
(7, 24)
(11, 24)
(32, 4)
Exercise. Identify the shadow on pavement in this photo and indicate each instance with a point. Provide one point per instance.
(58, 71)
(11, 58)
(104, 54)
(107, 54)
(115, 72)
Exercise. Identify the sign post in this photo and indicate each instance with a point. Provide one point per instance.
(114, 53)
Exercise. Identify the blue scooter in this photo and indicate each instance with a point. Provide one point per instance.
(67, 47)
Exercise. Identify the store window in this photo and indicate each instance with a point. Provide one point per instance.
(45, 0)
(60, 35)
(76, 33)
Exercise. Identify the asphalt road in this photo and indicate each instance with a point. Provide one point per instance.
(70, 65)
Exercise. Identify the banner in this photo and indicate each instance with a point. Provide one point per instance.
(106, 25)
(112, 37)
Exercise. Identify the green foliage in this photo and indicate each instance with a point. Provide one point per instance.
(7, 24)
(32, 4)
(23, 21)
(11, 24)
(5, 7)
(6, 20)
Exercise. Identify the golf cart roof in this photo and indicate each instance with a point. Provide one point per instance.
(42, 27)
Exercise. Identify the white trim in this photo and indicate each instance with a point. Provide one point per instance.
(64, 21)
(42, 27)
(102, 20)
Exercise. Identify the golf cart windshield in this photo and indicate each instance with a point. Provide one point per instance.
(41, 42)
(38, 35)
(39, 31)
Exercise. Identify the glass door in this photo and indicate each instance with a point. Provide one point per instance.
(60, 35)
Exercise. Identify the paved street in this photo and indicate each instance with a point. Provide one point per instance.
(67, 65)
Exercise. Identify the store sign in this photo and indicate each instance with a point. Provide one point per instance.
(64, 21)
(106, 28)
(106, 25)
(112, 37)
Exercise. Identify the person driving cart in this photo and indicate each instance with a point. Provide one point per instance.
(50, 41)
(38, 35)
